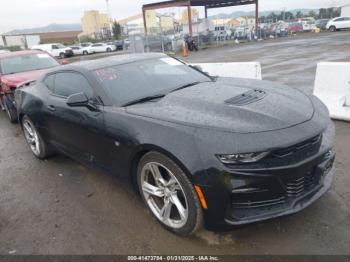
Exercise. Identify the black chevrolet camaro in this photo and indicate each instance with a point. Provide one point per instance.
(199, 149)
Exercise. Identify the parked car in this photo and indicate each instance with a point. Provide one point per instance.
(56, 50)
(119, 44)
(2, 51)
(308, 24)
(156, 43)
(322, 23)
(80, 50)
(17, 69)
(196, 147)
(86, 44)
(102, 47)
(295, 27)
(222, 33)
(338, 23)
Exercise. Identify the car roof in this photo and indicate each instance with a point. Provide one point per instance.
(21, 53)
(110, 61)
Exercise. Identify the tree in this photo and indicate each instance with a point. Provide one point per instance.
(289, 16)
(312, 14)
(299, 14)
(117, 30)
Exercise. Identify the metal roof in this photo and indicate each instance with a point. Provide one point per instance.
(206, 3)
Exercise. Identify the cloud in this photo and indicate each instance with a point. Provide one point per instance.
(16, 14)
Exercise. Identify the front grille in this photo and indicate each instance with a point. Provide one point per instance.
(257, 204)
(299, 186)
(310, 145)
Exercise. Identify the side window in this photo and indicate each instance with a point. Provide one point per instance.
(55, 47)
(49, 82)
(339, 19)
(67, 84)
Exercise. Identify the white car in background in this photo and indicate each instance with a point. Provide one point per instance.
(338, 23)
(102, 47)
(56, 49)
(82, 50)
(3, 51)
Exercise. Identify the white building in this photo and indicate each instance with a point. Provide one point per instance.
(24, 41)
(345, 10)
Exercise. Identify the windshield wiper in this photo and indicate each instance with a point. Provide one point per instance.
(144, 99)
(185, 86)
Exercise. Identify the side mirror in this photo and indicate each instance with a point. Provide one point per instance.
(64, 62)
(81, 100)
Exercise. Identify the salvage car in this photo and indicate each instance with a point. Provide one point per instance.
(338, 23)
(56, 50)
(20, 68)
(81, 50)
(102, 47)
(198, 148)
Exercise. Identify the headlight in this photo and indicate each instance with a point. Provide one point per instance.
(242, 158)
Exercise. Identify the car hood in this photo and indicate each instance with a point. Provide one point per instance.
(234, 105)
(16, 79)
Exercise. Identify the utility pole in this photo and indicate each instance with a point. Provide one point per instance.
(109, 14)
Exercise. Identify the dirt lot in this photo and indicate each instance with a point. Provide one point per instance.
(61, 207)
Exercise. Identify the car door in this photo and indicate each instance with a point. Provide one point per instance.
(347, 22)
(54, 50)
(340, 23)
(97, 47)
(76, 131)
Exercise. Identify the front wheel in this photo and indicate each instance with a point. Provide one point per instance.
(62, 55)
(169, 195)
(85, 53)
(36, 143)
(332, 29)
(109, 50)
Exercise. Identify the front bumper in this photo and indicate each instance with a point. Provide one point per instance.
(285, 206)
(274, 188)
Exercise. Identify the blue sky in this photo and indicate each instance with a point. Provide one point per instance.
(17, 14)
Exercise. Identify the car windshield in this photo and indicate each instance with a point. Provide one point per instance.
(147, 78)
(18, 64)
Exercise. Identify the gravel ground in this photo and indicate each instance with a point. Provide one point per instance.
(58, 206)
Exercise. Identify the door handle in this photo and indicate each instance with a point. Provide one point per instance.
(51, 108)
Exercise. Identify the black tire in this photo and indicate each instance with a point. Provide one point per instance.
(195, 214)
(109, 50)
(10, 110)
(333, 28)
(44, 148)
(85, 53)
(62, 55)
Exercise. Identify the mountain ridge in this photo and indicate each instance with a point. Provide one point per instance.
(47, 29)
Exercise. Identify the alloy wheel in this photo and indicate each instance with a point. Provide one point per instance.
(31, 137)
(164, 195)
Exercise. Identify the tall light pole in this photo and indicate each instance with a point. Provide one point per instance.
(109, 14)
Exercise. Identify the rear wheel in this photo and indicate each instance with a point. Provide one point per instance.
(85, 53)
(169, 194)
(36, 143)
(62, 55)
(109, 50)
(332, 28)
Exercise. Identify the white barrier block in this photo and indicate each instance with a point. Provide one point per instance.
(251, 70)
(332, 86)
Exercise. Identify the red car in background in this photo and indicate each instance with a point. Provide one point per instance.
(295, 28)
(17, 69)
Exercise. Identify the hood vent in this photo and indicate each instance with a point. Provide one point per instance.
(247, 98)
